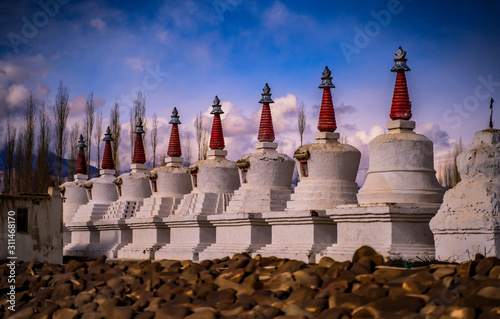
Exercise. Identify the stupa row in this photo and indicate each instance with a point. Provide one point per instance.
(218, 207)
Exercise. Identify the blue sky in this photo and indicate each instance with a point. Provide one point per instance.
(183, 53)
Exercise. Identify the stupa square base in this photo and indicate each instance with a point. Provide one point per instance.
(189, 235)
(395, 230)
(113, 235)
(237, 233)
(148, 235)
(83, 234)
(461, 246)
(300, 235)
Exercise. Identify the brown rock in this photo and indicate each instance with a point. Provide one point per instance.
(459, 312)
(441, 272)
(291, 266)
(73, 265)
(300, 294)
(465, 269)
(235, 275)
(333, 287)
(125, 312)
(267, 310)
(307, 278)
(326, 262)
(154, 304)
(83, 298)
(368, 252)
(315, 306)
(335, 313)
(495, 273)
(222, 299)
(202, 315)
(489, 292)
(65, 314)
(294, 310)
(144, 315)
(241, 262)
(484, 266)
(397, 303)
(25, 313)
(282, 281)
(88, 307)
(62, 291)
(349, 301)
(175, 311)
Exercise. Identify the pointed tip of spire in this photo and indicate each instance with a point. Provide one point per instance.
(400, 61)
(266, 95)
(139, 129)
(175, 117)
(217, 108)
(81, 142)
(326, 79)
(107, 136)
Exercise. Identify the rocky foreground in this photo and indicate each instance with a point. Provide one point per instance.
(262, 287)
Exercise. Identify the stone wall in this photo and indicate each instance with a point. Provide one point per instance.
(39, 232)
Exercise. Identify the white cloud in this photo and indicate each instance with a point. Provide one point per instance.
(98, 23)
(162, 36)
(136, 63)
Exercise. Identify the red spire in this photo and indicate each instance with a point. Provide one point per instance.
(81, 167)
(174, 146)
(401, 106)
(217, 136)
(266, 129)
(326, 121)
(139, 155)
(107, 158)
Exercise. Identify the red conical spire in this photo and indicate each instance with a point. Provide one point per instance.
(174, 146)
(217, 136)
(81, 167)
(139, 154)
(326, 121)
(107, 158)
(401, 106)
(266, 129)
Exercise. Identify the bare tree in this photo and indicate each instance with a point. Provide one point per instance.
(154, 137)
(202, 137)
(162, 159)
(137, 111)
(89, 126)
(98, 136)
(61, 112)
(74, 134)
(10, 143)
(19, 164)
(43, 163)
(116, 129)
(301, 120)
(449, 176)
(28, 147)
(186, 145)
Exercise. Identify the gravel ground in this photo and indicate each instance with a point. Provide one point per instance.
(260, 287)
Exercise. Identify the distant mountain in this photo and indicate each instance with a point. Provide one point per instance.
(53, 168)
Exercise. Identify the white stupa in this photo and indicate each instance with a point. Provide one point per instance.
(400, 194)
(468, 222)
(132, 187)
(74, 193)
(265, 176)
(214, 180)
(101, 192)
(327, 168)
(169, 184)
